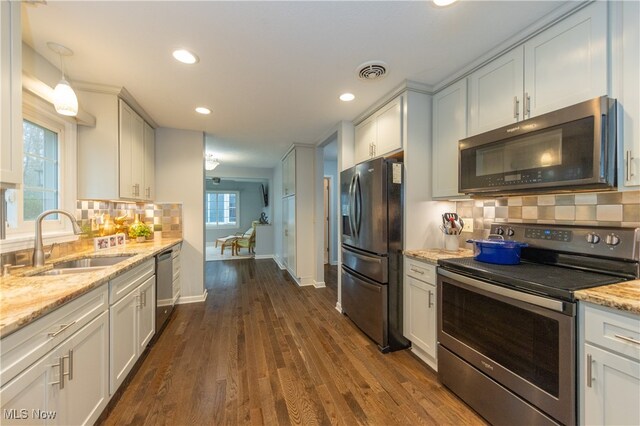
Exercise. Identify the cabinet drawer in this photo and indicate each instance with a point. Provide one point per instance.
(125, 283)
(27, 345)
(420, 270)
(613, 330)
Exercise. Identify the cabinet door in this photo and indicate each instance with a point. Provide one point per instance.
(495, 93)
(31, 390)
(149, 162)
(289, 174)
(449, 126)
(146, 313)
(612, 395)
(86, 390)
(567, 63)
(420, 316)
(365, 139)
(137, 156)
(123, 339)
(389, 128)
(290, 234)
(126, 141)
(10, 93)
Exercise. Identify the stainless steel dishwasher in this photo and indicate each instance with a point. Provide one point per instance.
(164, 289)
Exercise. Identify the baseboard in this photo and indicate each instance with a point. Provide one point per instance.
(305, 281)
(280, 264)
(264, 256)
(338, 307)
(319, 284)
(192, 299)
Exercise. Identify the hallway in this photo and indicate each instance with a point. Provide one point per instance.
(261, 350)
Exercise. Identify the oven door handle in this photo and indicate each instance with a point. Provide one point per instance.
(543, 302)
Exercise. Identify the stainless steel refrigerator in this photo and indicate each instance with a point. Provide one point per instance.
(371, 200)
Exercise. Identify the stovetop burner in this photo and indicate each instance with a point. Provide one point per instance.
(547, 280)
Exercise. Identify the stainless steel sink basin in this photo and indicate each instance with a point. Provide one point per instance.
(80, 266)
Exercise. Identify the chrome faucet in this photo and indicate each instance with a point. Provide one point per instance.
(38, 249)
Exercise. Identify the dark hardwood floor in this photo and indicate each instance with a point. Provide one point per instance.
(262, 350)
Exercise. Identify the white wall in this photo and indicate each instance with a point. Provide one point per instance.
(250, 205)
(331, 170)
(180, 178)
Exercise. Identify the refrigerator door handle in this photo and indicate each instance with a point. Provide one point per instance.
(352, 206)
(358, 199)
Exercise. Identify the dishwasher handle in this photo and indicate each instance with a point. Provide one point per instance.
(165, 255)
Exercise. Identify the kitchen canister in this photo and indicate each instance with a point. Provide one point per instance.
(451, 242)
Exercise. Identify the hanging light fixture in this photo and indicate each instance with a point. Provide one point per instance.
(210, 162)
(65, 100)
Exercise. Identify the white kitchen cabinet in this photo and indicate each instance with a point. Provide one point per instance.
(132, 325)
(120, 141)
(77, 334)
(625, 27)
(495, 93)
(289, 174)
(10, 93)
(176, 264)
(419, 322)
(561, 66)
(381, 133)
(609, 366)
(149, 162)
(297, 255)
(449, 126)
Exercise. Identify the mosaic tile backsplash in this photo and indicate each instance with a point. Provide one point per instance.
(617, 209)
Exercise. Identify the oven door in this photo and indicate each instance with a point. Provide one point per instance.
(524, 342)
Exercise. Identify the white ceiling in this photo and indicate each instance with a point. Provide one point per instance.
(270, 71)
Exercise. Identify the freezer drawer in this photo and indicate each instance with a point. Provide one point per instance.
(370, 265)
(365, 302)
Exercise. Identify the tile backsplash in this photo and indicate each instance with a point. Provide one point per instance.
(618, 209)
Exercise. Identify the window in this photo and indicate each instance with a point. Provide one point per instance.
(222, 209)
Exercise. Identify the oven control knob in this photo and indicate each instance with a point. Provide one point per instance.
(612, 240)
(499, 231)
(510, 232)
(593, 238)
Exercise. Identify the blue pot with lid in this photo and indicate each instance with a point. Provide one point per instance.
(500, 252)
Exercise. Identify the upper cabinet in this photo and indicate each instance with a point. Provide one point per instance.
(289, 174)
(116, 158)
(449, 126)
(381, 133)
(10, 93)
(561, 66)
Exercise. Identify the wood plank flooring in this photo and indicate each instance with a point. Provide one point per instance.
(263, 351)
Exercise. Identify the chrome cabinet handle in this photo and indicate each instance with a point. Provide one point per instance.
(62, 328)
(60, 366)
(627, 339)
(148, 191)
(516, 107)
(417, 271)
(139, 301)
(70, 356)
(627, 162)
(430, 296)
(527, 104)
(589, 370)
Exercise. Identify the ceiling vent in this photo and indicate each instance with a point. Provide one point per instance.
(372, 71)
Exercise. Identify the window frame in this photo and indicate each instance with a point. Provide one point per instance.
(210, 225)
(42, 113)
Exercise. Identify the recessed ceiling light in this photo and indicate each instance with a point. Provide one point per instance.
(443, 3)
(185, 56)
(347, 97)
(203, 110)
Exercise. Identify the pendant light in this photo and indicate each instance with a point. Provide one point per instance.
(65, 100)
(210, 162)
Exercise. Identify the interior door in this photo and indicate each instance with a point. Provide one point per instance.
(326, 220)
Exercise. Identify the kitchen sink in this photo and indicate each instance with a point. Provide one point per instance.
(79, 266)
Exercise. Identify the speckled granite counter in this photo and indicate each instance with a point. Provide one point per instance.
(433, 255)
(25, 298)
(624, 296)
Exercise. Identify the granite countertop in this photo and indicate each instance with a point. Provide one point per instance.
(623, 296)
(433, 255)
(25, 298)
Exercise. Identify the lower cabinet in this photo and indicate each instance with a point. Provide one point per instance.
(420, 310)
(609, 358)
(132, 327)
(176, 273)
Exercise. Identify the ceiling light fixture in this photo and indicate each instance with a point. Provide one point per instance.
(203, 110)
(347, 97)
(210, 162)
(443, 3)
(184, 56)
(65, 100)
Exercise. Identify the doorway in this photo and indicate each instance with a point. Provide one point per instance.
(327, 218)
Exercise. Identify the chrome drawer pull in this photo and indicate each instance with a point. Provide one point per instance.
(417, 271)
(62, 328)
(589, 370)
(627, 339)
(430, 296)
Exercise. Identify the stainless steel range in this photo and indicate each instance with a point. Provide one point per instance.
(507, 333)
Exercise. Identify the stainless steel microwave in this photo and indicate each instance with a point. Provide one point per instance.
(573, 148)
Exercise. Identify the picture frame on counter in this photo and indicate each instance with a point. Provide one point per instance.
(110, 241)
